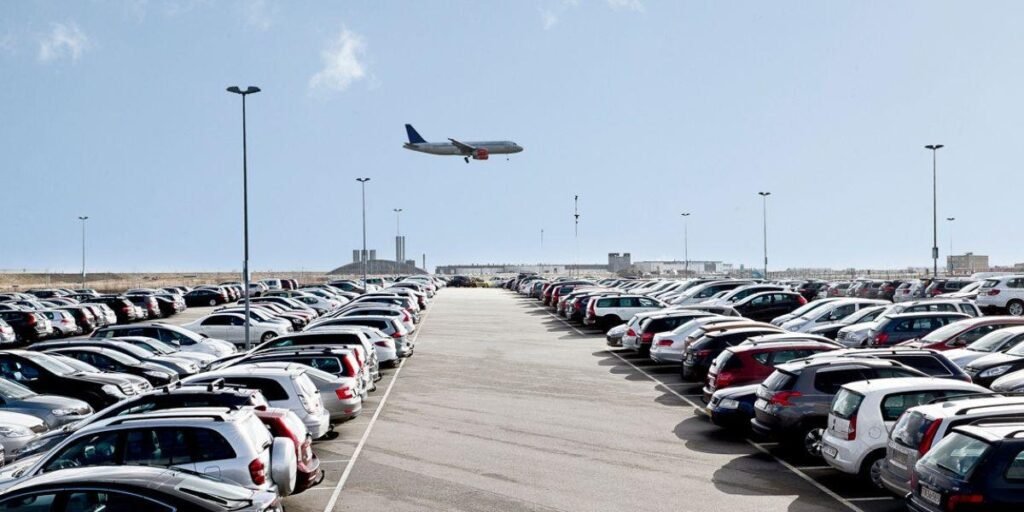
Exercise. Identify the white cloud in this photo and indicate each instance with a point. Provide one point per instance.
(342, 63)
(629, 5)
(549, 18)
(64, 40)
(259, 13)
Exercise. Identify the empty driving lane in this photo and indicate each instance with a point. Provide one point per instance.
(502, 408)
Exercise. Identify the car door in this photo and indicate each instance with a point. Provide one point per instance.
(215, 326)
(647, 304)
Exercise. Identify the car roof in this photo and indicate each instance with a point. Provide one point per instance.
(920, 314)
(217, 414)
(780, 345)
(245, 370)
(816, 362)
(994, 431)
(909, 384)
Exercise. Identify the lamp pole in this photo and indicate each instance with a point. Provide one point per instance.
(764, 217)
(245, 206)
(935, 210)
(398, 233)
(686, 242)
(950, 220)
(576, 230)
(366, 256)
(83, 219)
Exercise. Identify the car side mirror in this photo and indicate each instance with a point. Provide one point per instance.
(203, 334)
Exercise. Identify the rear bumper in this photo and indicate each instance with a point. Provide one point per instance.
(308, 475)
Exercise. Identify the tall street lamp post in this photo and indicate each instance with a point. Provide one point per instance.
(686, 242)
(950, 220)
(366, 256)
(83, 219)
(245, 206)
(935, 210)
(764, 217)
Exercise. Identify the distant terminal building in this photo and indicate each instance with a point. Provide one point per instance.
(681, 267)
(619, 262)
(968, 263)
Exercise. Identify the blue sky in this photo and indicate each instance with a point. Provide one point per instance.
(644, 109)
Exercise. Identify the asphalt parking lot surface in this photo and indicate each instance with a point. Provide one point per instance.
(507, 407)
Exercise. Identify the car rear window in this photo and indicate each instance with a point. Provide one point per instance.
(990, 283)
(894, 405)
(829, 381)
(910, 429)
(925, 363)
(780, 381)
(957, 454)
(846, 403)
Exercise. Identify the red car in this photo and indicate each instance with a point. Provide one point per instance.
(751, 363)
(284, 423)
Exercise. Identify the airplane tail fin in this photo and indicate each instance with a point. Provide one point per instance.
(414, 136)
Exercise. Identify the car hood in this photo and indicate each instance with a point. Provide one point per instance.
(962, 356)
(21, 420)
(199, 357)
(1010, 382)
(107, 378)
(990, 360)
(739, 392)
(51, 402)
(10, 473)
(858, 328)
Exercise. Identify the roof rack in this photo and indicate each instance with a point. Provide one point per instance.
(219, 417)
(215, 384)
(965, 410)
(989, 420)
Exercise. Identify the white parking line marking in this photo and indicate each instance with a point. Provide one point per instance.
(813, 468)
(369, 428)
(872, 498)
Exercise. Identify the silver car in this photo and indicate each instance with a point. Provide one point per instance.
(18, 430)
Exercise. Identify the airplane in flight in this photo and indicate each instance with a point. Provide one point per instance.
(475, 150)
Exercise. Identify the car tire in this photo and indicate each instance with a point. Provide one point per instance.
(213, 302)
(810, 441)
(871, 469)
(267, 337)
(1015, 307)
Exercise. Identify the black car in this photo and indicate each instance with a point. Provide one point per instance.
(83, 317)
(46, 375)
(205, 297)
(930, 362)
(181, 366)
(141, 488)
(123, 308)
(974, 468)
(703, 351)
(112, 361)
(28, 325)
(765, 306)
(986, 369)
(793, 402)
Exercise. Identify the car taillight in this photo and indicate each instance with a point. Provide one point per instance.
(955, 500)
(928, 438)
(396, 335)
(350, 367)
(882, 338)
(258, 472)
(30, 319)
(631, 332)
(702, 353)
(781, 398)
(647, 337)
(664, 343)
(851, 433)
(801, 300)
(344, 392)
(724, 379)
(383, 343)
(993, 292)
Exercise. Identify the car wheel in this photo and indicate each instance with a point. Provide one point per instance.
(811, 441)
(267, 337)
(872, 470)
(213, 302)
(1015, 308)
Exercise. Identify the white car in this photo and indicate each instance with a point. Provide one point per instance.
(803, 310)
(173, 335)
(864, 412)
(231, 327)
(607, 312)
(669, 347)
(999, 340)
(378, 309)
(856, 335)
(1003, 292)
(727, 297)
(704, 291)
(829, 313)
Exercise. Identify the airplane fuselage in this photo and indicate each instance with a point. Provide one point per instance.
(494, 147)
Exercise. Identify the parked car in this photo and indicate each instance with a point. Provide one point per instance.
(123, 309)
(930, 362)
(863, 413)
(342, 394)
(732, 408)
(114, 361)
(702, 352)
(63, 323)
(205, 297)
(793, 403)
(942, 286)
(830, 313)
(284, 423)
(46, 375)
(751, 363)
(856, 335)
(764, 306)
(920, 428)
(975, 468)
(1003, 293)
(7, 334)
(177, 365)
(136, 488)
(231, 327)
(831, 330)
(389, 326)
(986, 369)
(28, 326)
(803, 310)
(178, 337)
(894, 329)
(964, 332)
(607, 312)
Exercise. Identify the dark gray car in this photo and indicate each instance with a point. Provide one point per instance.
(54, 410)
(793, 402)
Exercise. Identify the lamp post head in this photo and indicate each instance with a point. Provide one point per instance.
(764, 194)
(248, 90)
(397, 210)
(685, 214)
(362, 180)
(934, 147)
(83, 218)
(951, 219)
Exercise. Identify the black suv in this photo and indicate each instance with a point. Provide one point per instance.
(793, 402)
(123, 308)
(46, 375)
(931, 362)
(975, 468)
(27, 325)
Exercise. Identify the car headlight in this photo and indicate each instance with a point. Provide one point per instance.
(64, 412)
(15, 431)
(729, 403)
(998, 370)
(112, 390)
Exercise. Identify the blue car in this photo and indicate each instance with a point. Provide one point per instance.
(732, 408)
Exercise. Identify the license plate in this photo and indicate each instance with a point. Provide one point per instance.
(898, 459)
(930, 496)
(762, 404)
(829, 451)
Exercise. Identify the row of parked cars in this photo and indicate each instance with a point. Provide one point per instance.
(153, 416)
(921, 396)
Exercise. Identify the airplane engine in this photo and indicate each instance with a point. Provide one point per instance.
(481, 154)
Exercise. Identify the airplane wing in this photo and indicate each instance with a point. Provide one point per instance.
(463, 147)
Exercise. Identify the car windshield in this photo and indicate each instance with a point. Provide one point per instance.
(990, 283)
(971, 287)
(943, 333)
(957, 453)
(806, 308)
(991, 341)
(863, 315)
(14, 391)
(1017, 350)
(50, 364)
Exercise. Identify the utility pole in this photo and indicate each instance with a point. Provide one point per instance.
(950, 219)
(576, 230)
(83, 219)
(764, 217)
(686, 242)
(935, 210)
(245, 207)
(542, 250)
(366, 255)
